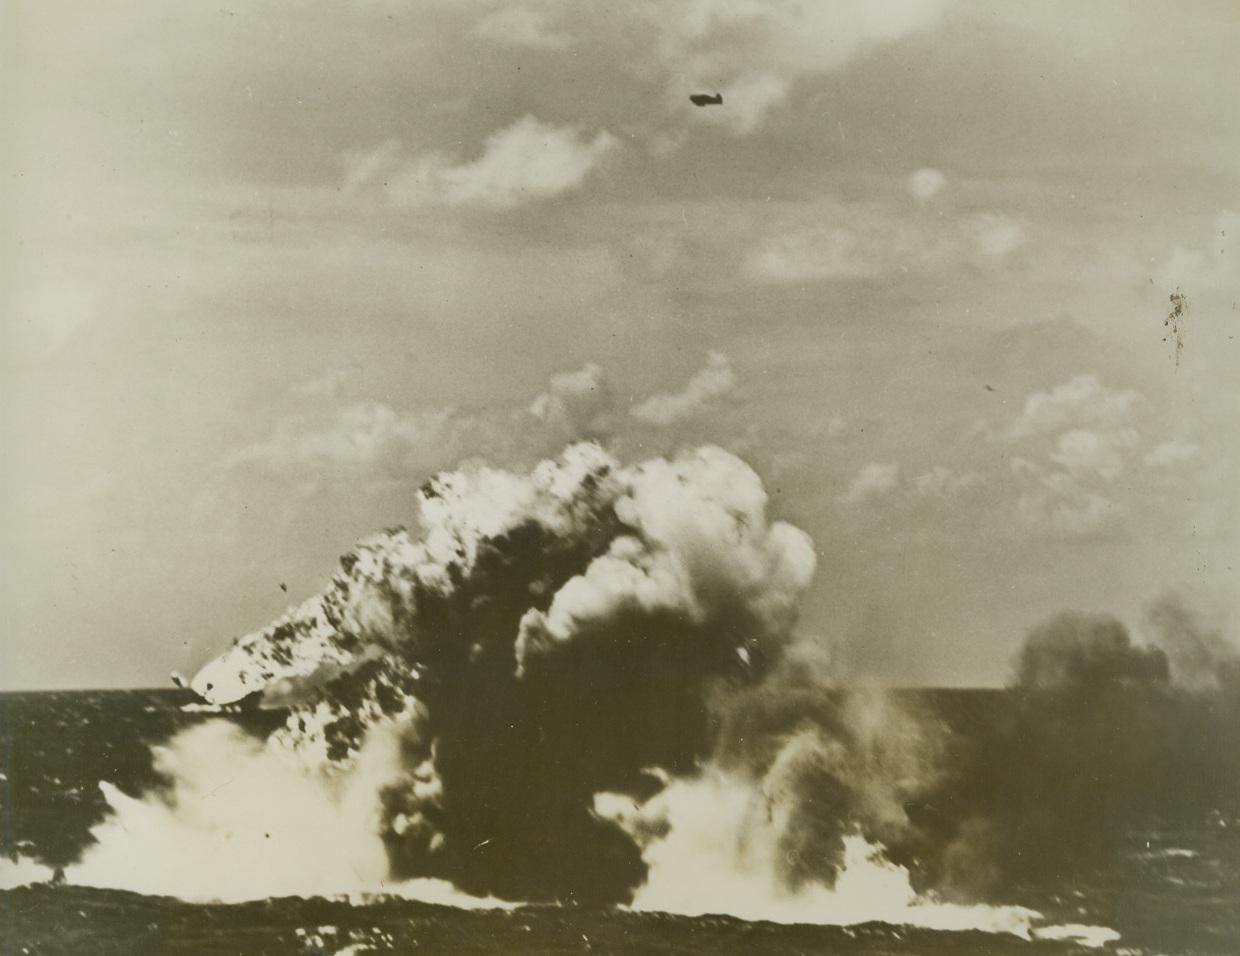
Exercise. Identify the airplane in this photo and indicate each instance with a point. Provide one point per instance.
(705, 99)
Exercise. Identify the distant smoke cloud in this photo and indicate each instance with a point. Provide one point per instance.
(1201, 657)
(1084, 652)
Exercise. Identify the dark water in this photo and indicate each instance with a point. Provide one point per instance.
(1168, 881)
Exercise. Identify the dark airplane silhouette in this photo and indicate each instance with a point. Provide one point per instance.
(705, 99)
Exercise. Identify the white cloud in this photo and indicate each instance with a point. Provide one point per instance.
(47, 318)
(815, 255)
(362, 167)
(1084, 452)
(526, 162)
(873, 481)
(710, 384)
(574, 401)
(1177, 451)
(995, 237)
(357, 438)
(1082, 400)
(755, 51)
(865, 241)
(925, 184)
(1066, 509)
(1204, 270)
(941, 482)
(327, 385)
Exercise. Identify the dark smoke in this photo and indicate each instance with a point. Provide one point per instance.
(1048, 778)
(1082, 653)
(1200, 656)
(545, 638)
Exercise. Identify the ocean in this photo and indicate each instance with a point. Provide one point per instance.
(1145, 813)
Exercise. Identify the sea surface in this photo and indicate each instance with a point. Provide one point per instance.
(1170, 883)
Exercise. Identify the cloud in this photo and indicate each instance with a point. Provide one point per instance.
(1204, 270)
(370, 445)
(574, 401)
(816, 254)
(873, 481)
(327, 385)
(1063, 507)
(1084, 452)
(529, 161)
(756, 52)
(360, 438)
(941, 482)
(1168, 454)
(925, 184)
(1082, 400)
(709, 385)
(995, 237)
(522, 26)
(866, 241)
(48, 317)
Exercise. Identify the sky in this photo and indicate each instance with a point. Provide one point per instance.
(268, 266)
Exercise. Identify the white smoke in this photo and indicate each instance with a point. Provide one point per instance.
(717, 844)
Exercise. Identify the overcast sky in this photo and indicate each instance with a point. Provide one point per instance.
(269, 265)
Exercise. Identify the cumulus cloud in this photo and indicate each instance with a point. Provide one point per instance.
(574, 401)
(816, 254)
(527, 161)
(755, 53)
(1203, 269)
(1082, 400)
(941, 482)
(873, 481)
(1060, 505)
(708, 386)
(363, 435)
(925, 184)
(1084, 452)
(994, 236)
(372, 445)
(1174, 452)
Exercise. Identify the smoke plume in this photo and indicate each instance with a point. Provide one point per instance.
(544, 638)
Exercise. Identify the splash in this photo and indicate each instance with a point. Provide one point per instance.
(721, 844)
